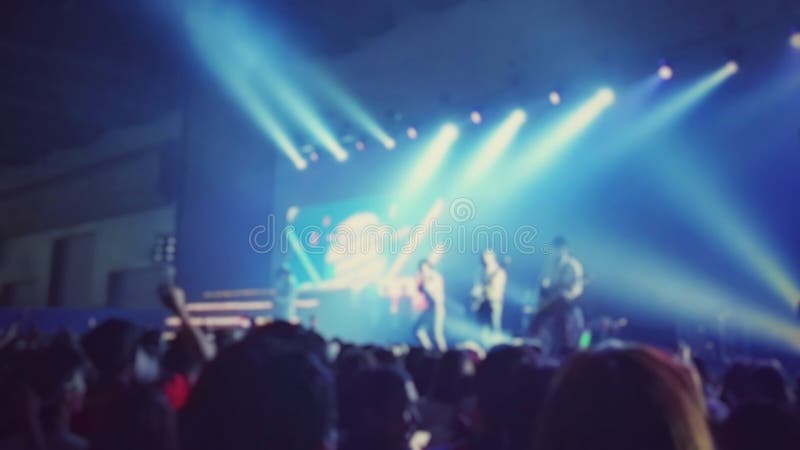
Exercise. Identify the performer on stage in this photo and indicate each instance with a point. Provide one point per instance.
(431, 285)
(488, 293)
(559, 320)
(285, 295)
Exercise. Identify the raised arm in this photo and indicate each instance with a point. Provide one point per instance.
(174, 299)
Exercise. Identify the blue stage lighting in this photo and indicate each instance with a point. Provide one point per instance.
(676, 293)
(725, 224)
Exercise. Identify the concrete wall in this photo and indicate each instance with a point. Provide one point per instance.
(121, 190)
(121, 243)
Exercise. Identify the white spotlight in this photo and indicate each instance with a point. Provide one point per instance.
(475, 117)
(731, 67)
(794, 40)
(665, 72)
(412, 133)
(555, 98)
(389, 143)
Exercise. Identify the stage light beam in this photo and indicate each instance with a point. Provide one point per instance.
(302, 256)
(302, 110)
(203, 34)
(675, 106)
(494, 146)
(415, 238)
(676, 293)
(350, 106)
(727, 225)
(545, 149)
(432, 157)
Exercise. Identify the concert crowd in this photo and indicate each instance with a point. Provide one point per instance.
(281, 386)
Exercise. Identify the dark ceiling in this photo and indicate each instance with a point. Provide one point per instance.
(72, 69)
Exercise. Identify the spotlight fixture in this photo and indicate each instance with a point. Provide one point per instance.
(794, 40)
(665, 71)
(555, 98)
(313, 156)
(360, 145)
(732, 67)
(412, 133)
(390, 144)
(475, 117)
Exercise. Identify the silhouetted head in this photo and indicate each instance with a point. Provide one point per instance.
(494, 390)
(382, 411)
(112, 348)
(56, 374)
(624, 398)
(760, 425)
(769, 384)
(138, 417)
(254, 397)
(454, 377)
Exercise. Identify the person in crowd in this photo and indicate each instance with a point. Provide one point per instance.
(283, 386)
(50, 389)
(444, 412)
(769, 384)
(495, 395)
(422, 365)
(761, 425)
(138, 417)
(624, 398)
(255, 397)
(381, 411)
(181, 367)
(530, 385)
(114, 349)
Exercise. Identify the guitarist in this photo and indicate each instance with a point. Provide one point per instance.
(561, 285)
(488, 293)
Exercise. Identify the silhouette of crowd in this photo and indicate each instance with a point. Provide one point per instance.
(284, 387)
